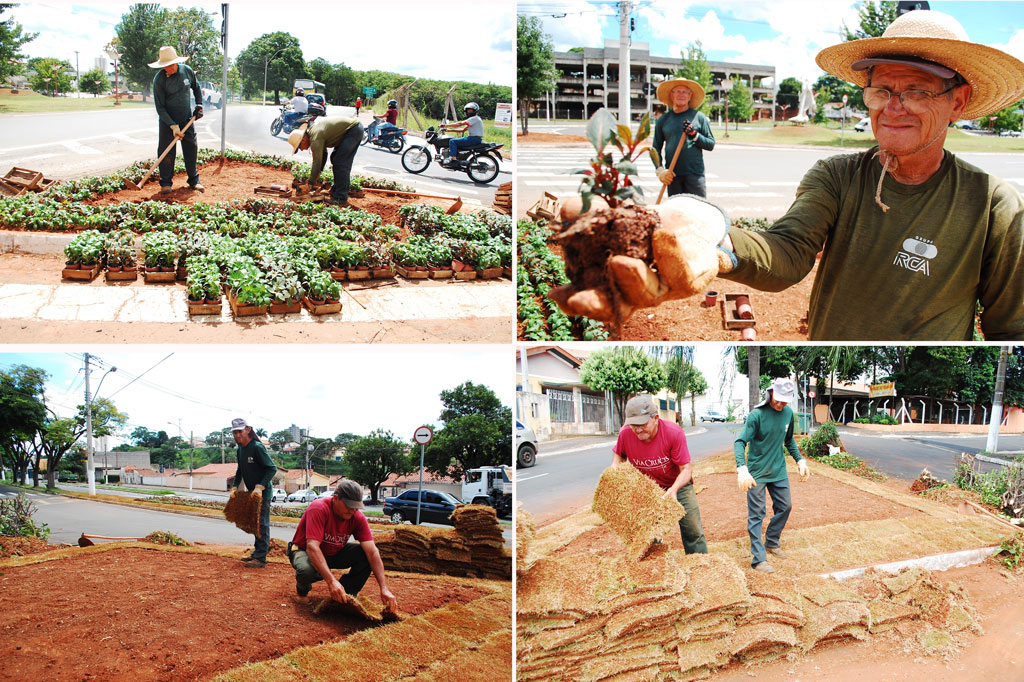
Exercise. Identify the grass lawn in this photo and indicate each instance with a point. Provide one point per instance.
(28, 102)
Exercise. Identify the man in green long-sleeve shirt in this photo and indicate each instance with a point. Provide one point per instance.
(174, 86)
(682, 124)
(344, 135)
(761, 466)
(257, 471)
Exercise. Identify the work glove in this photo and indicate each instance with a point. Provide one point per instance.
(234, 491)
(198, 113)
(665, 175)
(686, 252)
(744, 480)
(257, 488)
(801, 466)
(689, 130)
(176, 131)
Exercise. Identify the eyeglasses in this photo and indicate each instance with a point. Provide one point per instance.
(914, 101)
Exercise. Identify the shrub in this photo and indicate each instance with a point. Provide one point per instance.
(1012, 551)
(855, 465)
(879, 418)
(816, 445)
(16, 519)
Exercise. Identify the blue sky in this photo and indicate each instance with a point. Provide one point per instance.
(344, 389)
(413, 38)
(784, 33)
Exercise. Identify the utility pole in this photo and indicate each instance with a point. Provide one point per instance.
(224, 101)
(997, 403)
(191, 449)
(222, 446)
(78, 76)
(624, 102)
(90, 473)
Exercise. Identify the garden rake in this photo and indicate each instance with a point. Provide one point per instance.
(132, 185)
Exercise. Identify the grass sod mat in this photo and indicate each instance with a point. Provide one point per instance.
(475, 549)
(525, 531)
(243, 510)
(634, 507)
(359, 607)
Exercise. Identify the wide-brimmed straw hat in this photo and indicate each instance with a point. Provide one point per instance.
(295, 137)
(926, 38)
(665, 92)
(168, 56)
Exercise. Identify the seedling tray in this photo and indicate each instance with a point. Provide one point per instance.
(466, 274)
(412, 274)
(83, 275)
(285, 308)
(23, 177)
(159, 277)
(245, 310)
(121, 276)
(358, 274)
(383, 273)
(730, 316)
(489, 273)
(440, 274)
(321, 309)
(204, 308)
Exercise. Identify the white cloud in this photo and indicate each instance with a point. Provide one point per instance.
(1014, 46)
(581, 26)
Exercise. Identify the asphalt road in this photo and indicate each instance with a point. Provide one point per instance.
(567, 471)
(69, 145)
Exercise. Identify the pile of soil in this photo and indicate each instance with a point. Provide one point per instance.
(601, 233)
(19, 546)
(145, 614)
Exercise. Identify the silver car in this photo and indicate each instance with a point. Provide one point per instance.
(526, 445)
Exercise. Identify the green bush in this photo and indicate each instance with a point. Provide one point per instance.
(16, 519)
(879, 418)
(816, 445)
(855, 465)
(1012, 551)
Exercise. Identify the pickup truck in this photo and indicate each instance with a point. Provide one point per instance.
(210, 95)
(437, 506)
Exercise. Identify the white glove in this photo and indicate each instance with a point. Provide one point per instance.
(744, 480)
(665, 176)
(801, 466)
(176, 130)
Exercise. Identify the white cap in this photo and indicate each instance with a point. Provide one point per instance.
(783, 390)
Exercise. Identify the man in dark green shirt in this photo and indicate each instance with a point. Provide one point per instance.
(344, 135)
(761, 465)
(256, 470)
(173, 87)
(682, 124)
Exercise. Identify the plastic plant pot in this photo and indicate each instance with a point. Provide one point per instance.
(710, 298)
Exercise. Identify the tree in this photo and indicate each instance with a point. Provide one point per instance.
(836, 88)
(741, 106)
(625, 371)
(682, 378)
(11, 40)
(52, 76)
(535, 64)
(476, 432)
(789, 92)
(22, 414)
(94, 81)
(278, 439)
(61, 434)
(836, 362)
(139, 38)
(192, 33)
(695, 67)
(1008, 118)
(372, 459)
(874, 19)
(284, 66)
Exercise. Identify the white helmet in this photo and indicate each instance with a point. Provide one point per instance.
(472, 105)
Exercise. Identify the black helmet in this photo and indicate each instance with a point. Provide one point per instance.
(392, 104)
(472, 105)
(300, 92)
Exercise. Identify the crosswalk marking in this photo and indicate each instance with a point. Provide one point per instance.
(79, 148)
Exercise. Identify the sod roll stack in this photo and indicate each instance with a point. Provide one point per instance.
(634, 507)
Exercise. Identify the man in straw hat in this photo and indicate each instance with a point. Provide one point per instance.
(257, 470)
(340, 132)
(682, 124)
(658, 450)
(913, 238)
(172, 85)
(321, 543)
(761, 465)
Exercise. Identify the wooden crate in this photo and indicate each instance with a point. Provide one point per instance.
(383, 273)
(412, 274)
(466, 274)
(204, 308)
(323, 308)
(443, 273)
(729, 315)
(23, 178)
(489, 273)
(159, 277)
(82, 275)
(284, 308)
(9, 190)
(354, 275)
(546, 207)
(122, 276)
(245, 310)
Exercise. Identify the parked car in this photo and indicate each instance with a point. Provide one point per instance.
(863, 125)
(526, 445)
(327, 493)
(437, 506)
(278, 495)
(712, 416)
(966, 125)
(1010, 133)
(316, 98)
(211, 98)
(302, 496)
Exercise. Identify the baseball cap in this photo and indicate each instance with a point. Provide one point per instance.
(238, 424)
(640, 408)
(350, 492)
(783, 390)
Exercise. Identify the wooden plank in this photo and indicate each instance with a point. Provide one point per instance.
(23, 177)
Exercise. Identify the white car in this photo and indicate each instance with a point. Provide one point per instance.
(302, 496)
(327, 493)
(278, 495)
(210, 95)
(863, 126)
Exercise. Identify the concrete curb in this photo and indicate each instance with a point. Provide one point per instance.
(39, 243)
(934, 562)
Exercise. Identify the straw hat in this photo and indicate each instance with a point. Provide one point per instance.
(168, 56)
(665, 92)
(996, 78)
(295, 137)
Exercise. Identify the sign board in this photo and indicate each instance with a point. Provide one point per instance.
(811, 394)
(879, 390)
(369, 91)
(846, 98)
(503, 115)
(423, 435)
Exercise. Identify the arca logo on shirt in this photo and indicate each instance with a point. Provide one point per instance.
(916, 253)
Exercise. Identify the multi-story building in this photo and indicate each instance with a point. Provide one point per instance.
(589, 80)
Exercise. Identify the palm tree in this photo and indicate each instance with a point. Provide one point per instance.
(684, 378)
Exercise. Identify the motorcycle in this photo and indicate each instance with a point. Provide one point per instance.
(481, 162)
(280, 124)
(392, 139)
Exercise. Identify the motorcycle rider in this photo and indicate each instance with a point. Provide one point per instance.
(299, 105)
(474, 127)
(389, 121)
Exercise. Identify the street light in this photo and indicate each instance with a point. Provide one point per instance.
(266, 62)
(89, 471)
(310, 452)
(727, 86)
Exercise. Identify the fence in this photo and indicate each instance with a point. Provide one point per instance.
(561, 405)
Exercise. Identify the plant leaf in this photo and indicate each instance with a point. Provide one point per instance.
(645, 128)
(626, 167)
(581, 171)
(601, 128)
(586, 196)
(625, 134)
(655, 157)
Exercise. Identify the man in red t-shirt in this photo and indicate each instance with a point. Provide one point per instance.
(658, 449)
(321, 543)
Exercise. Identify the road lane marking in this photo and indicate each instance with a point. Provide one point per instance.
(520, 479)
(79, 148)
(71, 141)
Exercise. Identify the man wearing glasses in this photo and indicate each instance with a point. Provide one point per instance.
(658, 449)
(913, 241)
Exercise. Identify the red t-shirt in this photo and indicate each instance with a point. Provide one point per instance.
(320, 523)
(662, 458)
(391, 116)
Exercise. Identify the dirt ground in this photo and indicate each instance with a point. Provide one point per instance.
(140, 614)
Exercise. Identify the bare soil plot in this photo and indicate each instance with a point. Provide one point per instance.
(129, 611)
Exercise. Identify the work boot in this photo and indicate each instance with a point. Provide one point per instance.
(777, 552)
(256, 563)
(302, 590)
(764, 567)
(246, 558)
(198, 187)
(338, 202)
(166, 189)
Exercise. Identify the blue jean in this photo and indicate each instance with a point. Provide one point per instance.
(352, 556)
(292, 116)
(689, 526)
(263, 541)
(456, 142)
(781, 506)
